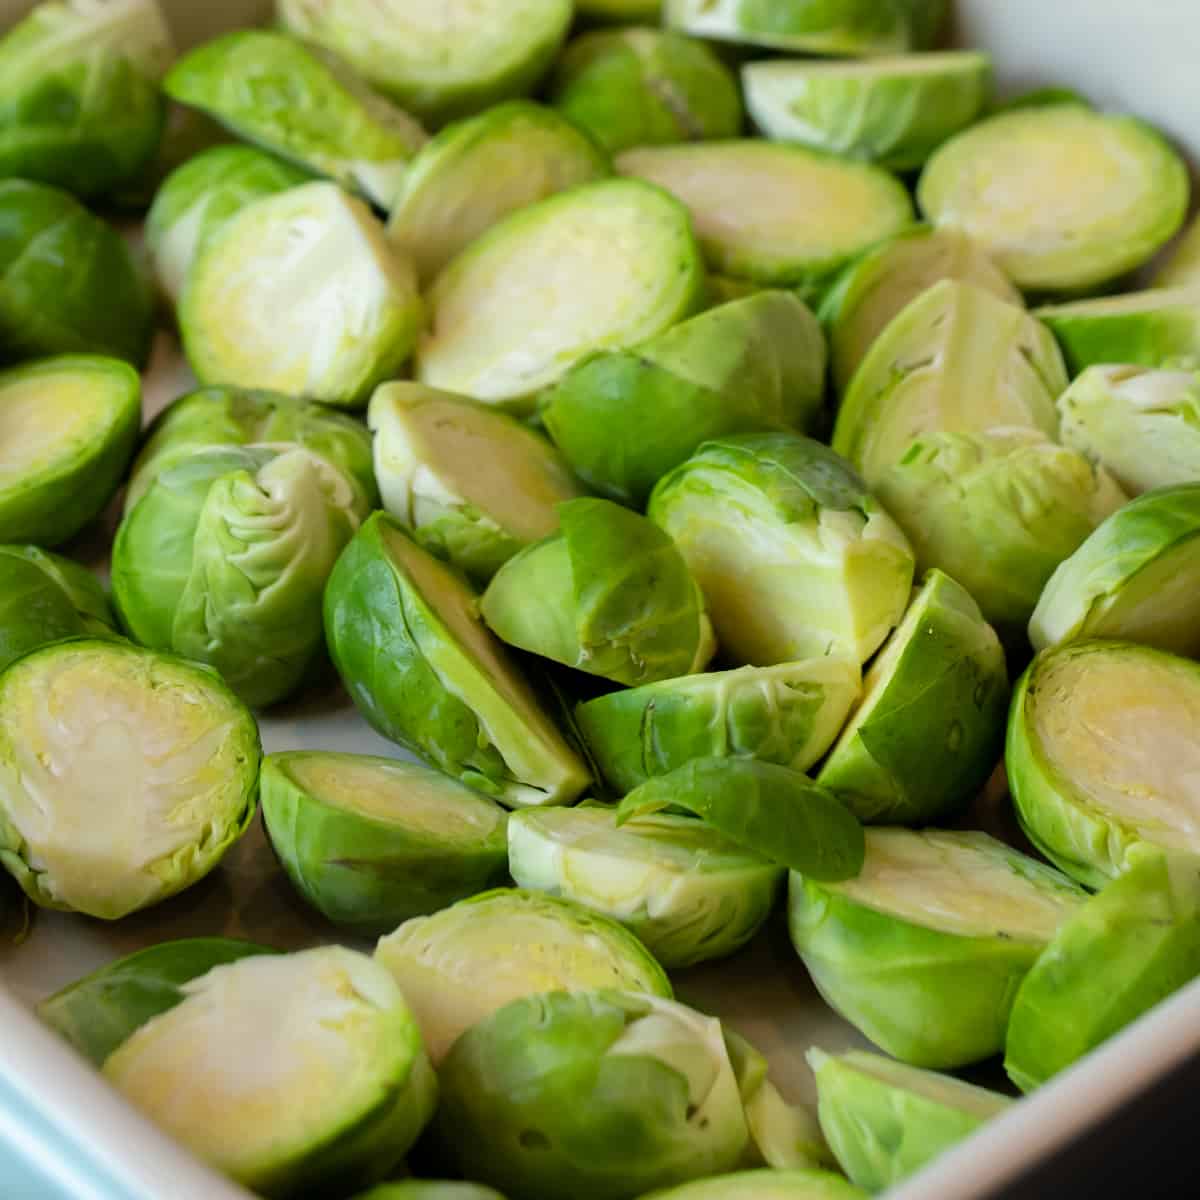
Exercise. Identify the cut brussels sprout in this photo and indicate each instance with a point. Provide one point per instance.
(601, 267)
(430, 1189)
(625, 418)
(1062, 197)
(224, 561)
(776, 213)
(687, 892)
(370, 842)
(405, 635)
(930, 728)
(794, 557)
(68, 427)
(478, 171)
(473, 485)
(783, 1136)
(301, 293)
(1183, 267)
(157, 744)
(885, 1121)
(766, 1185)
(323, 1080)
(306, 106)
(465, 962)
(924, 950)
(608, 594)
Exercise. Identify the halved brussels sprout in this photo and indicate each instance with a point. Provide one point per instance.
(775, 213)
(302, 293)
(472, 484)
(766, 1185)
(463, 963)
(930, 727)
(1013, 183)
(625, 418)
(370, 842)
(795, 558)
(158, 745)
(885, 1121)
(1183, 267)
(600, 267)
(405, 635)
(68, 427)
(430, 1189)
(923, 951)
(323, 1079)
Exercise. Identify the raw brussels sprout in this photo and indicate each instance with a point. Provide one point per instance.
(370, 842)
(1062, 197)
(923, 951)
(766, 1185)
(626, 417)
(600, 267)
(430, 1189)
(68, 426)
(405, 635)
(775, 213)
(478, 171)
(473, 485)
(1183, 267)
(302, 104)
(322, 1081)
(301, 293)
(794, 557)
(224, 561)
(465, 962)
(930, 727)
(688, 893)
(608, 594)
(646, 87)
(437, 61)
(157, 744)
(79, 99)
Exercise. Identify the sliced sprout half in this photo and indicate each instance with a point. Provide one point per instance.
(1183, 267)
(766, 1185)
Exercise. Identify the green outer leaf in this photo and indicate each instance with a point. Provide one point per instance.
(766, 1185)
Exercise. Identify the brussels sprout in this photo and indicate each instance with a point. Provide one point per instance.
(795, 558)
(322, 1079)
(1183, 267)
(625, 418)
(471, 959)
(600, 267)
(68, 426)
(301, 293)
(766, 1185)
(923, 951)
(99, 306)
(79, 99)
(157, 744)
(429, 1189)
(473, 485)
(619, 11)
(930, 728)
(775, 213)
(437, 61)
(405, 635)
(646, 87)
(370, 842)
(886, 1121)
(478, 171)
(1062, 197)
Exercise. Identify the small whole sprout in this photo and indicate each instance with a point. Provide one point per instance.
(1183, 267)
(800, 1184)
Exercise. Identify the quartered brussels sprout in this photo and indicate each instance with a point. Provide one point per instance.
(465, 962)
(646, 87)
(600, 267)
(796, 560)
(1183, 267)
(1062, 197)
(405, 635)
(157, 744)
(626, 417)
(930, 727)
(480, 170)
(766, 1185)
(608, 594)
(923, 951)
(301, 293)
(68, 427)
(370, 842)
(472, 484)
(322, 1081)
(79, 99)
(430, 1189)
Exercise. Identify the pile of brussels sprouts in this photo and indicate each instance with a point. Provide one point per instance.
(681, 499)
